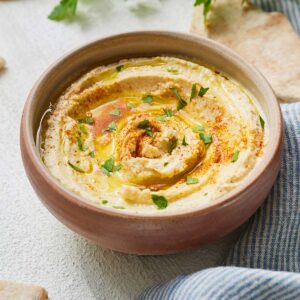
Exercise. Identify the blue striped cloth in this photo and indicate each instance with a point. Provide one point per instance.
(265, 262)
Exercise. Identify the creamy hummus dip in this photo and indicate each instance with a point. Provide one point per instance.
(153, 135)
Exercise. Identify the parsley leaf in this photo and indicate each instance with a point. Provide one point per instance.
(80, 144)
(83, 129)
(87, 121)
(168, 113)
(109, 166)
(184, 142)
(207, 7)
(173, 71)
(182, 103)
(92, 154)
(115, 112)
(65, 9)
(192, 180)
(198, 128)
(235, 156)
(193, 91)
(206, 138)
(112, 126)
(104, 201)
(172, 145)
(75, 167)
(202, 91)
(160, 201)
(262, 122)
(147, 99)
(145, 125)
(120, 68)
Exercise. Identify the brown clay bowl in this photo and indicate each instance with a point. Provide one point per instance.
(123, 231)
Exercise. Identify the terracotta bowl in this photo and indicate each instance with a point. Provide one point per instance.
(123, 231)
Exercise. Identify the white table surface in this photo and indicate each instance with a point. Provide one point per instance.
(34, 246)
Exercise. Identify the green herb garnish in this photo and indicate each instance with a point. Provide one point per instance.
(165, 164)
(147, 99)
(173, 71)
(172, 145)
(92, 154)
(168, 113)
(193, 91)
(111, 127)
(198, 128)
(83, 129)
(80, 144)
(202, 91)
(65, 9)
(115, 112)
(235, 156)
(145, 125)
(262, 122)
(207, 6)
(104, 201)
(184, 142)
(160, 201)
(118, 207)
(182, 103)
(131, 105)
(109, 166)
(87, 121)
(120, 68)
(75, 167)
(206, 138)
(192, 180)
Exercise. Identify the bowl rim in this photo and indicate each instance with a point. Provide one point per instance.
(274, 145)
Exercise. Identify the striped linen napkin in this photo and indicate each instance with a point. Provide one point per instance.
(265, 262)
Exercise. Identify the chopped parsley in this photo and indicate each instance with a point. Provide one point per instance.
(77, 169)
(65, 9)
(111, 127)
(147, 99)
(160, 201)
(145, 125)
(165, 164)
(235, 156)
(173, 71)
(193, 91)
(104, 201)
(262, 122)
(192, 180)
(80, 144)
(198, 128)
(118, 207)
(87, 121)
(172, 145)
(168, 113)
(202, 91)
(109, 166)
(92, 154)
(181, 103)
(206, 138)
(120, 68)
(184, 142)
(83, 129)
(115, 112)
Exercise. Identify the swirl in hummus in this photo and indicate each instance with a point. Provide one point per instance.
(153, 134)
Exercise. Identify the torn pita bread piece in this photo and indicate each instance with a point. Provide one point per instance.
(2, 63)
(266, 40)
(10, 290)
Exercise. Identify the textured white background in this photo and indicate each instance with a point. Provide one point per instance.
(34, 246)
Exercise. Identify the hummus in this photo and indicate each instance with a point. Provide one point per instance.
(153, 135)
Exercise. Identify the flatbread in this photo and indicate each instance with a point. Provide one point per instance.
(2, 63)
(18, 291)
(266, 40)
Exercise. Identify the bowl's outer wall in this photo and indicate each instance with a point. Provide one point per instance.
(134, 234)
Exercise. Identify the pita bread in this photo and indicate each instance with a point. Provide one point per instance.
(2, 63)
(19, 291)
(266, 40)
